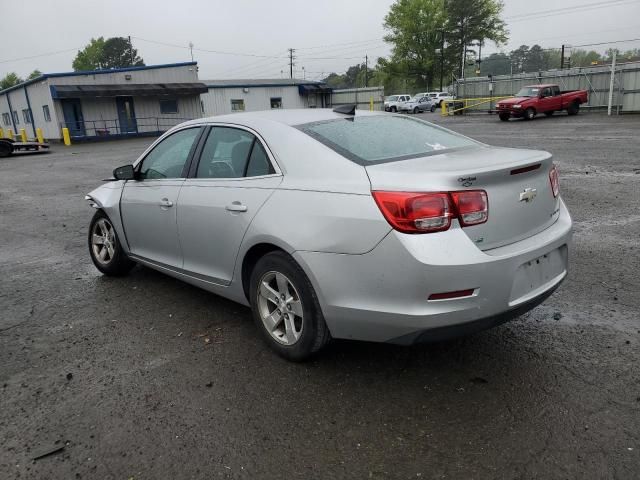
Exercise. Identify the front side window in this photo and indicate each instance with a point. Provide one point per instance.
(237, 105)
(168, 106)
(276, 102)
(26, 115)
(46, 113)
(6, 119)
(225, 153)
(382, 138)
(168, 158)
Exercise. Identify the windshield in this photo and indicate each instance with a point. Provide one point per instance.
(392, 98)
(528, 92)
(383, 138)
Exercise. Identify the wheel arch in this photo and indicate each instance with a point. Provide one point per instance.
(251, 257)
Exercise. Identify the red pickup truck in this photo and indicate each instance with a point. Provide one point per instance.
(534, 99)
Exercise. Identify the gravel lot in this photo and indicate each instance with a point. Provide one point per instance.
(149, 378)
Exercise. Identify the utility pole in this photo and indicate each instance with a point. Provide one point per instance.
(191, 50)
(480, 58)
(131, 50)
(562, 58)
(366, 70)
(442, 60)
(291, 50)
(612, 81)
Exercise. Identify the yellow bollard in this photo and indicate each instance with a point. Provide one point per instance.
(39, 135)
(443, 110)
(23, 134)
(371, 103)
(10, 134)
(1, 133)
(66, 137)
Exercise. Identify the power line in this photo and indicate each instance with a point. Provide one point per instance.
(217, 52)
(39, 55)
(566, 10)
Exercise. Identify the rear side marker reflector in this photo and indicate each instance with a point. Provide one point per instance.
(530, 168)
(450, 295)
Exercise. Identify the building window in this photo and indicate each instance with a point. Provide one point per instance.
(16, 119)
(276, 102)
(26, 115)
(46, 113)
(237, 105)
(6, 118)
(168, 106)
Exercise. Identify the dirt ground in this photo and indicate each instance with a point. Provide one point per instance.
(145, 377)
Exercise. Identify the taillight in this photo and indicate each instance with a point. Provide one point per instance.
(472, 207)
(411, 212)
(416, 212)
(555, 181)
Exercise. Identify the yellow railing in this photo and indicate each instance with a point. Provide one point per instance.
(467, 103)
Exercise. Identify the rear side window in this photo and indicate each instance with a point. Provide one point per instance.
(259, 163)
(384, 138)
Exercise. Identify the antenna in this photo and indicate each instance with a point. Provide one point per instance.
(191, 50)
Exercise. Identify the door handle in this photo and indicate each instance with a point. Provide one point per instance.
(236, 207)
(165, 202)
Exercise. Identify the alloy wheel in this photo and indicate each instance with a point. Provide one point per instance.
(103, 241)
(280, 308)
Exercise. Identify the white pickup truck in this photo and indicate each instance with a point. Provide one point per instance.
(393, 102)
(439, 97)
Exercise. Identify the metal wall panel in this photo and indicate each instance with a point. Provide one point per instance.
(218, 100)
(594, 79)
(181, 74)
(360, 96)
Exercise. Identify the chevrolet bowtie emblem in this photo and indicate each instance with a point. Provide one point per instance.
(528, 195)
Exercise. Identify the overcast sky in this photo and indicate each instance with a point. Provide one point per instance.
(328, 35)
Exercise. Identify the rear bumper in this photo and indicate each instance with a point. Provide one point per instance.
(383, 295)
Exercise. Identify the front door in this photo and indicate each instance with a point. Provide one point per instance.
(234, 178)
(126, 115)
(73, 119)
(148, 205)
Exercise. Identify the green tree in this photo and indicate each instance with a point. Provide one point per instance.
(496, 64)
(115, 52)
(9, 80)
(535, 60)
(118, 52)
(35, 74)
(414, 28)
(472, 20)
(90, 57)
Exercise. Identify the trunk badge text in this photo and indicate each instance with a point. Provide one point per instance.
(528, 195)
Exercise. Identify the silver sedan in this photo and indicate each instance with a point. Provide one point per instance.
(340, 224)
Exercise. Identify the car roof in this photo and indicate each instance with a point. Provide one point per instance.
(290, 117)
(542, 85)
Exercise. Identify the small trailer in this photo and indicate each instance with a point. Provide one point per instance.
(8, 146)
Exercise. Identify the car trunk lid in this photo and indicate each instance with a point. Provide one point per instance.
(520, 199)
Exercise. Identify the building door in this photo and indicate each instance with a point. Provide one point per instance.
(126, 115)
(73, 119)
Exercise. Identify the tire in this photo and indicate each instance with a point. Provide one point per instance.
(574, 108)
(296, 337)
(116, 263)
(503, 117)
(5, 149)
(416, 110)
(529, 114)
(432, 109)
(393, 109)
(548, 114)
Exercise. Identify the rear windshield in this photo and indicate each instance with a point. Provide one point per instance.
(384, 138)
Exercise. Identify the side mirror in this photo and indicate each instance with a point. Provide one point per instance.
(125, 172)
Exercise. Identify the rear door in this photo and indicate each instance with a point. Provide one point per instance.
(148, 205)
(227, 186)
